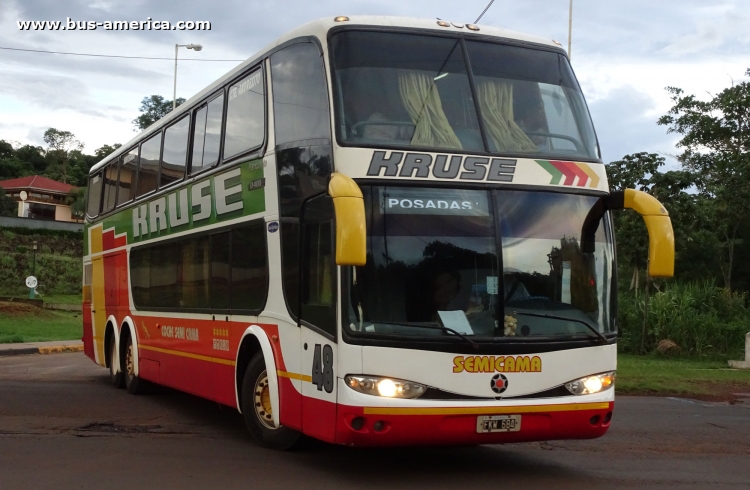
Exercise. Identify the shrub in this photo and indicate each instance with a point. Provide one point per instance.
(701, 318)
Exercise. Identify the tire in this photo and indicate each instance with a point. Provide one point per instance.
(115, 376)
(256, 409)
(133, 383)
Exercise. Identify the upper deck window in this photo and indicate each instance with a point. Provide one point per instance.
(148, 169)
(206, 135)
(174, 156)
(245, 115)
(407, 90)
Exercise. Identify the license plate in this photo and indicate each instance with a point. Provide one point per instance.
(498, 423)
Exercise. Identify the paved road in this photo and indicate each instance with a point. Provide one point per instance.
(62, 426)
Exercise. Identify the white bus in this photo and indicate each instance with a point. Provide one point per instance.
(378, 231)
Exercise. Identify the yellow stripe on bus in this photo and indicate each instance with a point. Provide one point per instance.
(301, 377)
(483, 410)
(217, 360)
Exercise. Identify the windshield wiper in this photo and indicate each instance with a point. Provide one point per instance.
(602, 339)
(434, 326)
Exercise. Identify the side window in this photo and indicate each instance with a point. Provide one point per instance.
(128, 172)
(194, 262)
(95, 194)
(304, 156)
(174, 157)
(220, 271)
(319, 270)
(228, 270)
(300, 96)
(249, 267)
(148, 169)
(199, 135)
(245, 115)
(207, 135)
(110, 186)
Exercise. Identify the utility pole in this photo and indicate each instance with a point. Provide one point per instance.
(196, 47)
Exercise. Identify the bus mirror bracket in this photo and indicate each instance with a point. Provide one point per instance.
(349, 206)
(658, 224)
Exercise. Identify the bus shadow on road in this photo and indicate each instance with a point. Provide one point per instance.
(450, 466)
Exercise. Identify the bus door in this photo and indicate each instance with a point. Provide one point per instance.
(318, 318)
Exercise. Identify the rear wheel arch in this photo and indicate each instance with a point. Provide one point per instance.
(255, 340)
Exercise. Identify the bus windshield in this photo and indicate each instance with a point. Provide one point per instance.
(407, 90)
(434, 258)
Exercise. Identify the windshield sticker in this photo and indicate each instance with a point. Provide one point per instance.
(499, 364)
(456, 320)
(422, 165)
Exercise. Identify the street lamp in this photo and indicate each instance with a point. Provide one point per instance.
(570, 30)
(196, 47)
(34, 248)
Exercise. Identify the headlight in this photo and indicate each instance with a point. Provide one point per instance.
(388, 387)
(591, 384)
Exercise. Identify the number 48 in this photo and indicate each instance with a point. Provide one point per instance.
(322, 368)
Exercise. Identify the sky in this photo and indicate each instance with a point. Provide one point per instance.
(625, 53)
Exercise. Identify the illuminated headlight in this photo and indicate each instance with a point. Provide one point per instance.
(388, 387)
(592, 384)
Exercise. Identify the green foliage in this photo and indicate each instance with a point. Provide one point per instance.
(8, 207)
(63, 160)
(716, 142)
(704, 320)
(58, 261)
(76, 199)
(152, 109)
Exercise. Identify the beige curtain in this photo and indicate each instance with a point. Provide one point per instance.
(496, 101)
(422, 100)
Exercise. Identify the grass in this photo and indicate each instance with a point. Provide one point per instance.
(651, 375)
(25, 323)
(68, 299)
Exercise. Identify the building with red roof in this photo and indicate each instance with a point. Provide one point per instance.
(40, 197)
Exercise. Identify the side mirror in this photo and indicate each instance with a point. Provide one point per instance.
(660, 233)
(351, 232)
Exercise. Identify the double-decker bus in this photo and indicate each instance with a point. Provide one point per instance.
(377, 231)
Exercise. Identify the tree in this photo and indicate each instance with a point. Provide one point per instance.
(716, 143)
(8, 207)
(76, 199)
(152, 109)
(105, 150)
(10, 165)
(60, 144)
(691, 214)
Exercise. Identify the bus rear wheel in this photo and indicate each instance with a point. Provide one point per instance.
(133, 383)
(257, 411)
(115, 375)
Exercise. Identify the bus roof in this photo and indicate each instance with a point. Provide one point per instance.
(319, 28)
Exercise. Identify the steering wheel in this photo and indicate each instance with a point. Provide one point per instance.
(576, 143)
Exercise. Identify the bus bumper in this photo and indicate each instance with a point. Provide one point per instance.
(384, 426)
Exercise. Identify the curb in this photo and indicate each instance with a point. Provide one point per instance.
(57, 349)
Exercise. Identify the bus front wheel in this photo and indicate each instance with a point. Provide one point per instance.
(257, 411)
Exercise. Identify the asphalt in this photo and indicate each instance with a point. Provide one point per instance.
(63, 426)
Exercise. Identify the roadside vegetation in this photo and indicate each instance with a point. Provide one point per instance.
(58, 261)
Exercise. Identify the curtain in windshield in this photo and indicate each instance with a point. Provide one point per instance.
(409, 90)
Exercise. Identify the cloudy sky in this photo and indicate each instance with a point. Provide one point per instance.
(624, 53)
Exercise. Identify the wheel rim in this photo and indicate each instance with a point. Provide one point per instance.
(262, 399)
(129, 364)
